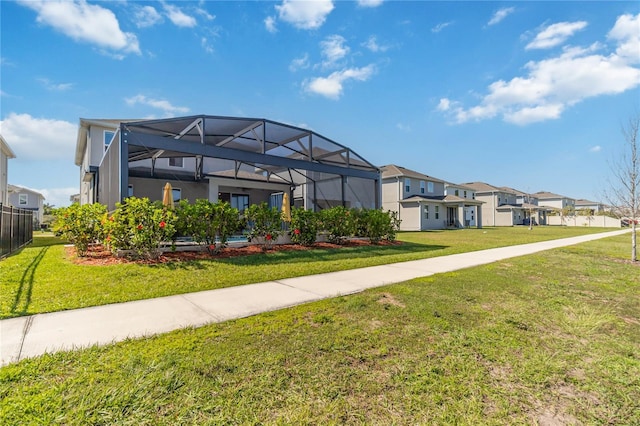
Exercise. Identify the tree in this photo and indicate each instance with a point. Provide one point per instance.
(625, 188)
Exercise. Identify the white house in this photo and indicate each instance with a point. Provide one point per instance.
(240, 160)
(555, 201)
(27, 199)
(5, 154)
(421, 202)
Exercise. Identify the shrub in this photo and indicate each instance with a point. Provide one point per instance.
(80, 224)
(265, 223)
(139, 225)
(304, 226)
(377, 225)
(204, 221)
(338, 223)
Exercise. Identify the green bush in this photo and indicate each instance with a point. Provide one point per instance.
(80, 224)
(376, 225)
(304, 226)
(139, 225)
(207, 222)
(339, 224)
(265, 223)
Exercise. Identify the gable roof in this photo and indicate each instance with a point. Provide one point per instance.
(391, 170)
(6, 149)
(484, 187)
(544, 195)
(22, 189)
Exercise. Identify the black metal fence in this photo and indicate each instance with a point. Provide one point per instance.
(16, 229)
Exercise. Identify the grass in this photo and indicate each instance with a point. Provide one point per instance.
(550, 338)
(41, 279)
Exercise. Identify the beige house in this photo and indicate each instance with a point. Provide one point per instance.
(240, 160)
(594, 206)
(504, 206)
(421, 202)
(555, 201)
(5, 154)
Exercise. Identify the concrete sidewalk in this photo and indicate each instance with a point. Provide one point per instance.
(34, 335)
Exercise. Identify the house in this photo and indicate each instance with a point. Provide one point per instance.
(467, 193)
(594, 207)
(27, 199)
(555, 201)
(236, 159)
(421, 202)
(5, 154)
(504, 206)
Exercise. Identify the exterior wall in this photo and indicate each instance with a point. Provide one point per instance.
(558, 203)
(35, 202)
(4, 194)
(488, 209)
(504, 218)
(410, 216)
(415, 188)
(153, 188)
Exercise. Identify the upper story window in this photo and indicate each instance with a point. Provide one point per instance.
(457, 193)
(108, 136)
(429, 187)
(176, 162)
(407, 185)
(23, 199)
(465, 194)
(422, 187)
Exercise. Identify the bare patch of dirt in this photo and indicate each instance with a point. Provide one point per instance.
(97, 255)
(630, 320)
(388, 299)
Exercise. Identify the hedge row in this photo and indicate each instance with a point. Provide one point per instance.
(141, 226)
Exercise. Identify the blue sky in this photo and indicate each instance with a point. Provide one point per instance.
(530, 95)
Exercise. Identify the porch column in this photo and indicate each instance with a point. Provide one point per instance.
(214, 188)
(461, 218)
(479, 217)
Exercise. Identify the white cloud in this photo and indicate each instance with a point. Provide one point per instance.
(441, 27)
(500, 15)
(596, 148)
(85, 22)
(333, 49)
(270, 24)
(555, 34)
(552, 85)
(58, 197)
(299, 63)
(202, 12)
(306, 15)
(204, 42)
(403, 127)
(372, 45)
(626, 31)
(146, 16)
(161, 104)
(178, 17)
(39, 138)
(333, 85)
(370, 3)
(54, 87)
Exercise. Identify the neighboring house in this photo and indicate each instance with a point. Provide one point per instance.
(28, 199)
(504, 206)
(470, 216)
(75, 198)
(421, 202)
(595, 207)
(5, 154)
(555, 201)
(240, 160)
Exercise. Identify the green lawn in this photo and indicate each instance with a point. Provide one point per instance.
(551, 338)
(41, 279)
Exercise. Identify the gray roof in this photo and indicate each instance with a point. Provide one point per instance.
(484, 187)
(391, 170)
(544, 195)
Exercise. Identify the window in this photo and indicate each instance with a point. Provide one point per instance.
(23, 199)
(430, 187)
(465, 194)
(473, 195)
(240, 202)
(422, 187)
(457, 193)
(407, 185)
(176, 192)
(130, 191)
(426, 212)
(176, 162)
(437, 212)
(108, 135)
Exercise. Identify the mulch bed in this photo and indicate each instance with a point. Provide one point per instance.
(98, 255)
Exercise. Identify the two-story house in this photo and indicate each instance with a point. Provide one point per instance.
(5, 154)
(240, 160)
(470, 215)
(555, 201)
(421, 202)
(504, 206)
(27, 199)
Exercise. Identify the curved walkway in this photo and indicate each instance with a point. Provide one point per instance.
(35, 335)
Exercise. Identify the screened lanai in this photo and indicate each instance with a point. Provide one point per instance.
(249, 152)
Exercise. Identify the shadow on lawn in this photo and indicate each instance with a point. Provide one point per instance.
(305, 256)
(23, 296)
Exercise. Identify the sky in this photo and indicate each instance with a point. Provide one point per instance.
(529, 95)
